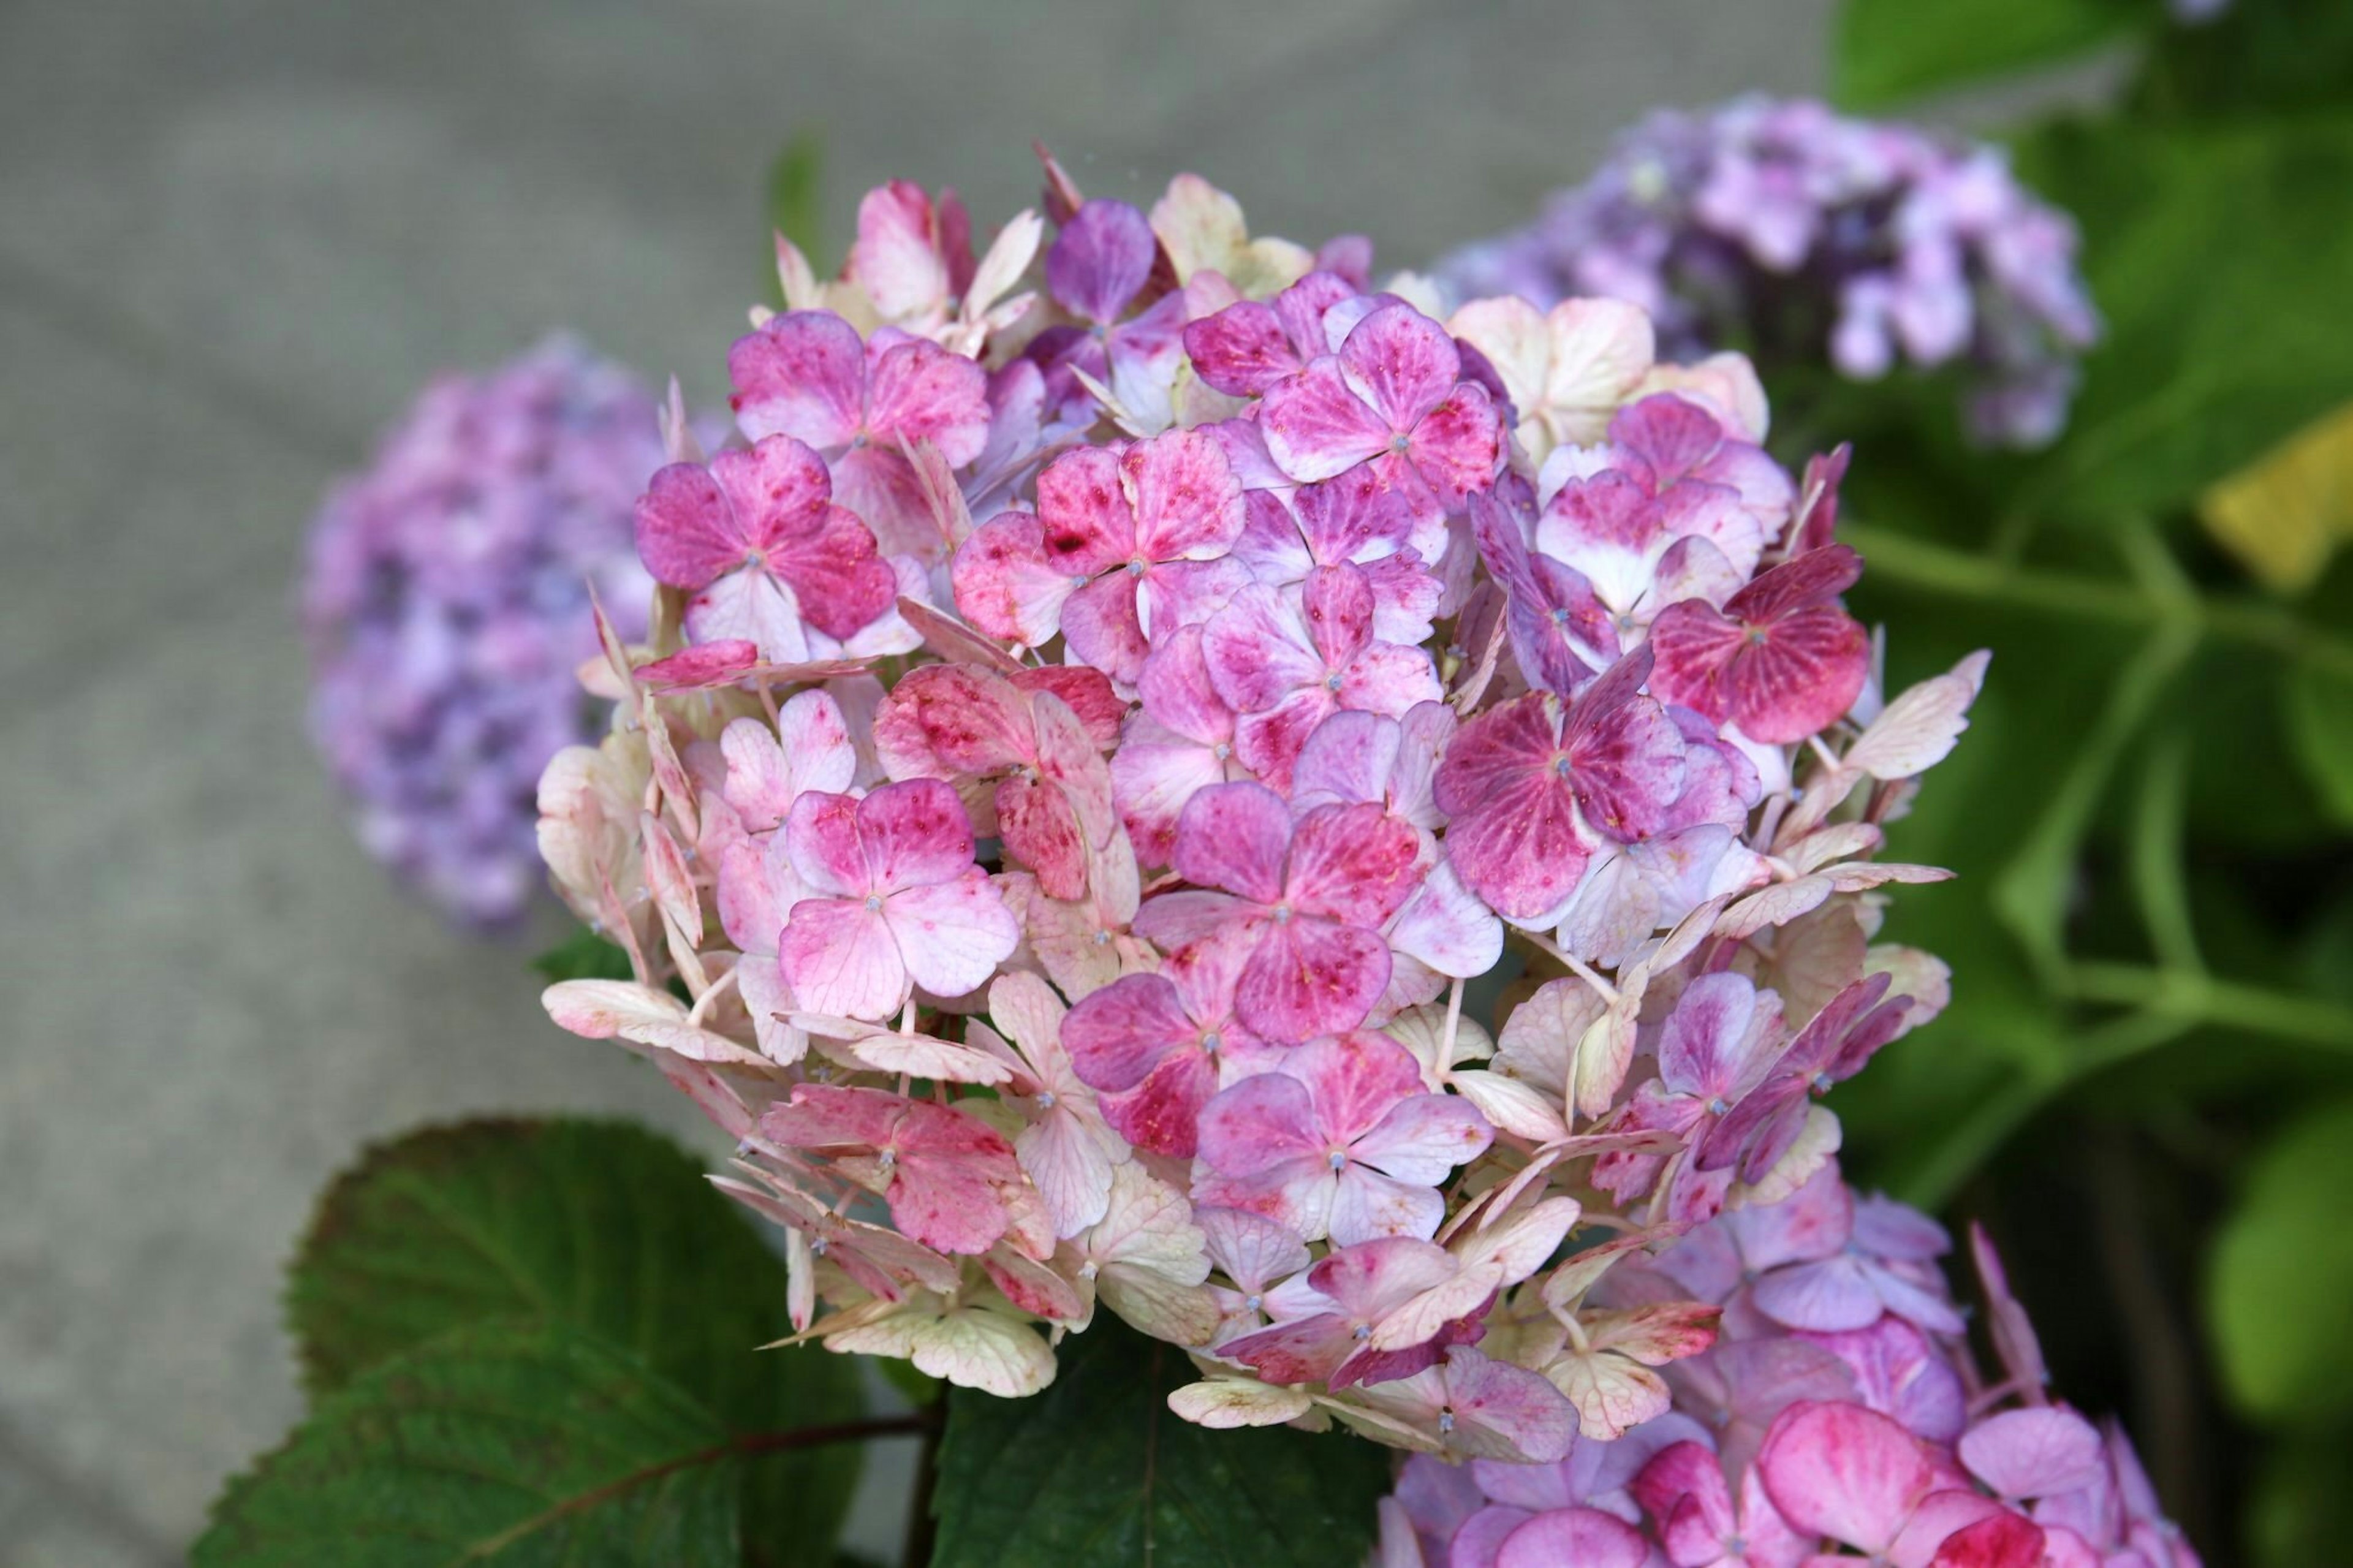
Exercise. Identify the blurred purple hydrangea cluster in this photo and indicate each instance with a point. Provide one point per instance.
(1789, 231)
(445, 604)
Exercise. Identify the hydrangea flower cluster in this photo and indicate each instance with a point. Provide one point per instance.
(1782, 228)
(446, 603)
(1839, 1407)
(1167, 778)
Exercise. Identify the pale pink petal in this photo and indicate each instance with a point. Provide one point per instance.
(914, 833)
(895, 257)
(1153, 774)
(1258, 1124)
(1235, 836)
(1368, 1206)
(753, 607)
(1459, 445)
(1310, 977)
(918, 391)
(1256, 652)
(687, 532)
(952, 936)
(1386, 678)
(1071, 1168)
(1189, 505)
(1403, 361)
(1353, 864)
(1100, 625)
(1424, 1138)
(2036, 1452)
(1445, 926)
(841, 957)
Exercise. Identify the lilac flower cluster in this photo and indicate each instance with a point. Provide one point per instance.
(445, 604)
(1798, 234)
(1118, 692)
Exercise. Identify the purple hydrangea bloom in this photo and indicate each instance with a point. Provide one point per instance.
(1795, 232)
(446, 603)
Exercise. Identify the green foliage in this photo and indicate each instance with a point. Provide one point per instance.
(584, 955)
(510, 1443)
(2282, 1272)
(796, 205)
(1891, 49)
(601, 1234)
(1098, 1469)
(2263, 55)
(2321, 717)
(2215, 252)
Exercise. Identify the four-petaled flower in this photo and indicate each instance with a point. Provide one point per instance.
(1781, 660)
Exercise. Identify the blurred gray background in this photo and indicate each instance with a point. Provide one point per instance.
(235, 237)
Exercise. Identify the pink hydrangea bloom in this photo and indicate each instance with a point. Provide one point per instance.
(1781, 660)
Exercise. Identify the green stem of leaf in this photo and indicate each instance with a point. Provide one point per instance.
(2199, 998)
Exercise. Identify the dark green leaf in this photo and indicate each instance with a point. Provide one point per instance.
(2259, 56)
(584, 955)
(596, 1224)
(2217, 255)
(1891, 49)
(1098, 1469)
(2320, 719)
(2280, 1272)
(2302, 1512)
(513, 1444)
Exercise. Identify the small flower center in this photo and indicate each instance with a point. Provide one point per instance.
(1045, 1099)
(1400, 443)
(1253, 1301)
(873, 903)
(1337, 1158)
(1089, 1270)
(1717, 1107)
(1282, 914)
(820, 1247)
(1561, 615)
(858, 442)
(890, 1159)
(1136, 567)
(1103, 939)
(1332, 682)
(1445, 1422)
(1363, 1332)
(1221, 751)
(1210, 1042)
(1822, 1084)
(1560, 765)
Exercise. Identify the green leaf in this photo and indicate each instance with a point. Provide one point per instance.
(1098, 1469)
(584, 955)
(2260, 55)
(599, 1225)
(2320, 721)
(796, 204)
(2302, 1512)
(1890, 49)
(2211, 250)
(2281, 1271)
(512, 1444)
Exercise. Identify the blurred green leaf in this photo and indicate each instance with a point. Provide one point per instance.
(517, 1444)
(2280, 1272)
(2302, 1510)
(597, 1225)
(1098, 1469)
(796, 187)
(2258, 55)
(584, 955)
(1886, 50)
(2320, 717)
(2215, 253)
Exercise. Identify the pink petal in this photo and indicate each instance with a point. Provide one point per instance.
(895, 259)
(1153, 775)
(1176, 594)
(842, 583)
(1354, 864)
(1310, 977)
(1368, 1206)
(688, 533)
(1355, 1080)
(1100, 260)
(1089, 526)
(1258, 1124)
(1829, 1297)
(1235, 836)
(802, 374)
(1100, 625)
(1243, 349)
(1584, 1536)
(841, 957)
(2036, 1452)
(1673, 435)
(1178, 693)
(826, 852)
(1801, 677)
(1846, 1472)
(1518, 1405)
(1800, 582)
(951, 936)
(1316, 427)
(1004, 584)
(1388, 679)
(1514, 837)
(1459, 445)
(1404, 362)
(1445, 926)
(1339, 602)
(1039, 829)
(945, 1206)
(1068, 1163)
(1705, 1046)
(950, 719)
(1175, 922)
(1423, 1138)
(1693, 647)
(1998, 1540)
(1189, 504)
(914, 834)
(918, 391)
(1255, 651)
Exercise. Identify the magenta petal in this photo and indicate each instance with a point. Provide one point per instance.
(1160, 1114)
(918, 391)
(1703, 1050)
(915, 833)
(1241, 350)
(1178, 692)
(1801, 677)
(1339, 601)
(1832, 1296)
(802, 374)
(1119, 1034)
(843, 586)
(1693, 647)
(1674, 436)
(687, 533)
(1354, 864)
(1305, 1350)
(1088, 526)
(1310, 977)
(1255, 651)
(1846, 1472)
(1316, 427)
(1235, 836)
(1403, 361)
(1459, 445)
(1039, 829)
(1258, 1124)
(1100, 260)
(1355, 1079)
(1514, 837)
